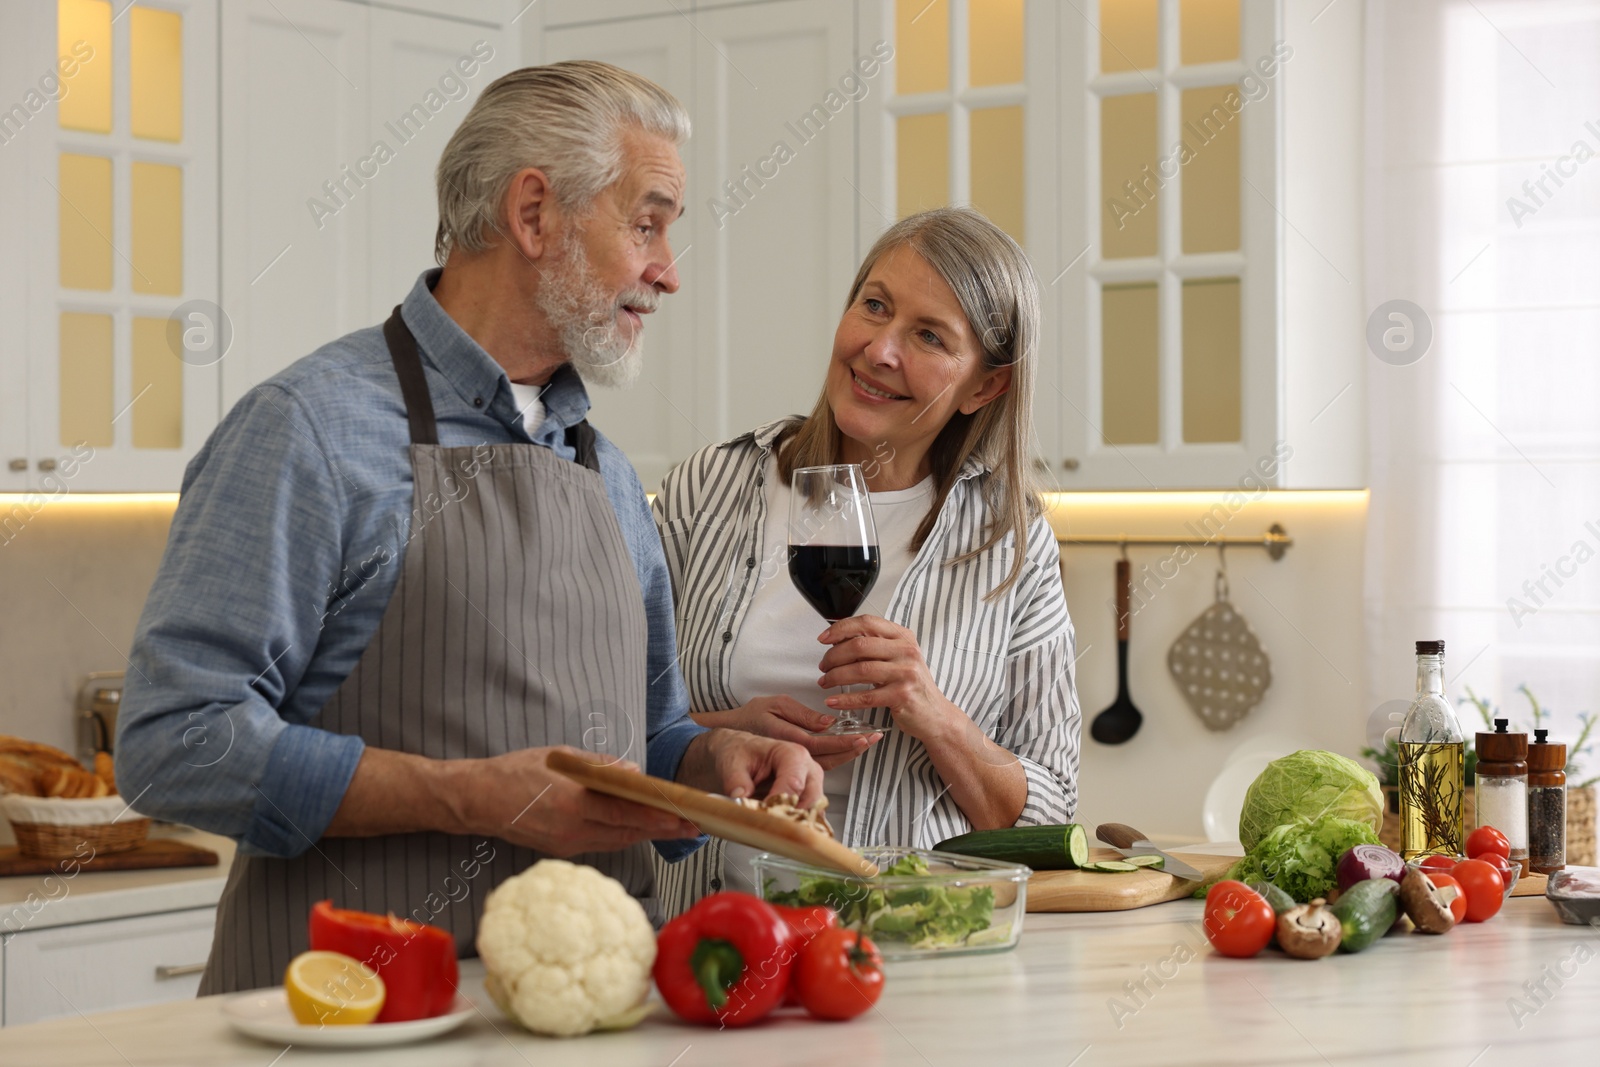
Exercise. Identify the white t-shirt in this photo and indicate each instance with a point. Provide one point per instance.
(528, 402)
(777, 651)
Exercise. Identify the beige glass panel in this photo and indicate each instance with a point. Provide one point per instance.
(1128, 38)
(996, 144)
(1211, 196)
(1130, 376)
(994, 42)
(84, 221)
(86, 379)
(155, 74)
(1129, 180)
(1211, 398)
(83, 46)
(158, 383)
(922, 46)
(157, 228)
(922, 163)
(1208, 31)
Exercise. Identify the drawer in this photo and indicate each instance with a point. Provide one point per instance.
(120, 963)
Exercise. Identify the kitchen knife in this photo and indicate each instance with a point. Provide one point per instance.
(1130, 842)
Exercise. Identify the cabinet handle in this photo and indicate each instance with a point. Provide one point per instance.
(47, 464)
(180, 970)
(1069, 464)
(19, 464)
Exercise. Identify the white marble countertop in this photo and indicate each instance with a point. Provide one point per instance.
(38, 901)
(1061, 998)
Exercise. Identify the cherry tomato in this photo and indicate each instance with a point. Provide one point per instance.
(1499, 863)
(1486, 839)
(1437, 862)
(1484, 887)
(1458, 906)
(1239, 922)
(839, 974)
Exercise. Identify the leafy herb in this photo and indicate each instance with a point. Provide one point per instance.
(1301, 857)
(926, 916)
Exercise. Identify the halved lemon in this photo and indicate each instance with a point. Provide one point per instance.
(330, 988)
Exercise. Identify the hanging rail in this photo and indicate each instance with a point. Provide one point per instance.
(1275, 540)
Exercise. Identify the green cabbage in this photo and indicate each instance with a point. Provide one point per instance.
(1300, 857)
(1309, 785)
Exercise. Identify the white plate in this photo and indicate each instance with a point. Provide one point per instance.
(264, 1013)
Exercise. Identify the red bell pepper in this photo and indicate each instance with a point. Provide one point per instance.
(417, 962)
(726, 960)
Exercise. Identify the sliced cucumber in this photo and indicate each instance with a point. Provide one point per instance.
(1156, 862)
(1044, 848)
(1110, 867)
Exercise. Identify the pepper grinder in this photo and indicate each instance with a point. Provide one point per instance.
(1547, 804)
(1501, 788)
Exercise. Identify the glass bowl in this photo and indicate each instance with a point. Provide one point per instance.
(1511, 882)
(961, 905)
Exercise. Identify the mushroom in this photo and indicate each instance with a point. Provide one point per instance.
(1309, 931)
(1427, 905)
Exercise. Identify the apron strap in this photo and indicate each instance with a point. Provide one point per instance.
(413, 383)
(419, 404)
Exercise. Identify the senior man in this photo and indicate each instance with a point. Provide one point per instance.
(406, 566)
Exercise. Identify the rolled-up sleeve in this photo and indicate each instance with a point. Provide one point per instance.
(229, 628)
(1042, 722)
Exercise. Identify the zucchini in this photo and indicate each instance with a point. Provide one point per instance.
(1110, 867)
(1366, 911)
(1044, 848)
(1280, 901)
(1153, 862)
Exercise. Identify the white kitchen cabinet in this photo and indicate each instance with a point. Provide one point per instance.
(16, 79)
(767, 245)
(101, 966)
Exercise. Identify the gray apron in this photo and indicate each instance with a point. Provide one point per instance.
(517, 622)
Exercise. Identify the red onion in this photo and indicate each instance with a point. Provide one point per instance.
(1362, 862)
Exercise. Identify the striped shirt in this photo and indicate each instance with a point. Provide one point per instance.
(1006, 661)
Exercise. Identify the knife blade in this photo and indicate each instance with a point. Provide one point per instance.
(1130, 842)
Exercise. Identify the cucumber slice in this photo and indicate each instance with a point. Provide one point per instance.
(1110, 867)
(1147, 861)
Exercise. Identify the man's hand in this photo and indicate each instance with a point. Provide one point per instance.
(515, 797)
(743, 765)
(786, 719)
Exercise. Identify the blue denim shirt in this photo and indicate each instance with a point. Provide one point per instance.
(272, 582)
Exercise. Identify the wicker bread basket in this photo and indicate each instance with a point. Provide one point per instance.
(55, 827)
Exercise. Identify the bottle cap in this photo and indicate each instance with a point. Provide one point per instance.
(1430, 648)
(1546, 756)
(1502, 747)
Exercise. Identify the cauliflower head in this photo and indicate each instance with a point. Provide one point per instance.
(566, 949)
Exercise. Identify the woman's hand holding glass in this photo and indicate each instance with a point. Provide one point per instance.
(786, 719)
(867, 649)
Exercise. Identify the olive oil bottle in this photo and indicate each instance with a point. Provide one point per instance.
(1433, 764)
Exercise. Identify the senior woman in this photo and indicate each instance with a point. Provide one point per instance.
(964, 640)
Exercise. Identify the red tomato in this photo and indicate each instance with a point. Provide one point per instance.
(1499, 863)
(1239, 921)
(1458, 906)
(1484, 887)
(1437, 862)
(1486, 839)
(839, 974)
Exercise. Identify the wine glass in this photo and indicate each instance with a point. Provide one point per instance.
(833, 551)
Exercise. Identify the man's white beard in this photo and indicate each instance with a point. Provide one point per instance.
(571, 297)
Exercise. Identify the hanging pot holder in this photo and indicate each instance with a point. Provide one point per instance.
(1219, 665)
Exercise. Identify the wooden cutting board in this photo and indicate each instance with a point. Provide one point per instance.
(1088, 891)
(716, 815)
(157, 852)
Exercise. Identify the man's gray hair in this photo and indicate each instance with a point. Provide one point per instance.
(568, 119)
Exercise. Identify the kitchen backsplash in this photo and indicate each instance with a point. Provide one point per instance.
(74, 579)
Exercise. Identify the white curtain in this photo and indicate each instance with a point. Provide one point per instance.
(1485, 463)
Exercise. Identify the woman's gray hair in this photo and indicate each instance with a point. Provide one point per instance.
(568, 119)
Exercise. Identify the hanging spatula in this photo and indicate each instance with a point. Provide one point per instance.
(1119, 722)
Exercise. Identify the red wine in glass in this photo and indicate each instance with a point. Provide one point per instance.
(833, 550)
